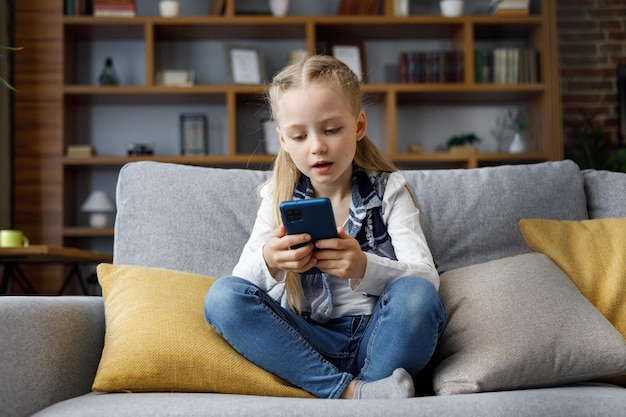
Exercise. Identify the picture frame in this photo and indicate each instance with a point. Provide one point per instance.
(245, 64)
(352, 54)
(193, 134)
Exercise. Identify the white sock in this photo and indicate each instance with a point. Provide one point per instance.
(398, 385)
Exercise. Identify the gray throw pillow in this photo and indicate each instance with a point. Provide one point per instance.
(519, 322)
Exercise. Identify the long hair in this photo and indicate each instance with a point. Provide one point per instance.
(328, 71)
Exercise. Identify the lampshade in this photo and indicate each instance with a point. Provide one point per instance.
(98, 201)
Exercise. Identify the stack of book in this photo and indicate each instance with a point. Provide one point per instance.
(78, 7)
(178, 78)
(431, 67)
(506, 66)
(80, 151)
(509, 7)
(114, 8)
(354, 7)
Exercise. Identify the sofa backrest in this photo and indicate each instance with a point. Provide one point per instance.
(606, 193)
(197, 219)
(472, 216)
(183, 217)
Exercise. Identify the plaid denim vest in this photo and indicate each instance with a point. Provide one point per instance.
(365, 224)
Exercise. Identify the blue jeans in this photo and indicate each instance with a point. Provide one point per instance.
(323, 358)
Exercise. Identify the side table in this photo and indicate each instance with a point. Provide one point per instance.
(11, 259)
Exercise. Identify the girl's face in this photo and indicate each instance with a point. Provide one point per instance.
(319, 132)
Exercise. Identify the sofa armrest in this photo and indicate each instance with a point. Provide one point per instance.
(50, 348)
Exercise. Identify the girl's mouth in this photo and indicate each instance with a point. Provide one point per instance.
(322, 167)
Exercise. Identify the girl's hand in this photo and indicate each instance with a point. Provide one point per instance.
(341, 257)
(278, 252)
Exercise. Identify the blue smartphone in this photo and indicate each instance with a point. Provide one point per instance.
(313, 216)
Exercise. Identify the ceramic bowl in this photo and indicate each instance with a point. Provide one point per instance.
(451, 8)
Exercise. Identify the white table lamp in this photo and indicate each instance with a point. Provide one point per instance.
(98, 204)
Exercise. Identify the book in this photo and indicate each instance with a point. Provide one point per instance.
(431, 66)
(358, 7)
(506, 66)
(509, 8)
(80, 151)
(346, 7)
(78, 7)
(217, 7)
(114, 8)
(180, 78)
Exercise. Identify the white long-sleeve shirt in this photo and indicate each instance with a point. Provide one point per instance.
(351, 296)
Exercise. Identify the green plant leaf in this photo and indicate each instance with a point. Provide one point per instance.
(590, 148)
(10, 48)
(6, 84)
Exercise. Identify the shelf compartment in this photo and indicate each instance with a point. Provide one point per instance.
(466, 94)
(520, 29)
(88, 28)
(387, 29)
(419, 119)
(235, 29)
(94, 95)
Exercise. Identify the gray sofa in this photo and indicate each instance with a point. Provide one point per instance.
(197, 219)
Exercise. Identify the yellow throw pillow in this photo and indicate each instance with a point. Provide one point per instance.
(158, 340)
(593, 255)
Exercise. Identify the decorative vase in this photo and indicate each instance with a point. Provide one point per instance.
(108, 76)
(518, 145)
(451, 8)
(279, 8)
(169, 8)
(401, 7)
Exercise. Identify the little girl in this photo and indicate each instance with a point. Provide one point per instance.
(371, 320)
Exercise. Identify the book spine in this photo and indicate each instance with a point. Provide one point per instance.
(459, 58)
(404, 70)
(478, 67)
(69, 8)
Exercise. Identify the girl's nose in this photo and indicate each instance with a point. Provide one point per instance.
(318, 145)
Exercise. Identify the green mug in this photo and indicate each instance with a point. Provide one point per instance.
(12, 238)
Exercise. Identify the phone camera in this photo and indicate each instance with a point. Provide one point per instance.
(293, 215)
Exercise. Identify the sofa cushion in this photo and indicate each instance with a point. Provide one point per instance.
(593, 254)
(158, 340)
(572, 401)
(471, 216)
(606, 193)
(520, 322)
(185, 218)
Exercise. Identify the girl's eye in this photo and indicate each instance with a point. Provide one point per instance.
(298, 137)
(332, 131)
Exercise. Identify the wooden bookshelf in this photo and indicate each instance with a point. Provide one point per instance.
(151, 39)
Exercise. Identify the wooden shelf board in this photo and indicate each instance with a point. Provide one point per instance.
(88, 232)
(238, 160)
(217, 94)
(231, 29)
(460, 157)
(205, 160)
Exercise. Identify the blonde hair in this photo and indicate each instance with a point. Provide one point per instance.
(326, 70)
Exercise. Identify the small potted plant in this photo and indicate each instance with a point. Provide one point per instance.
(518, 124)
(465, 143)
